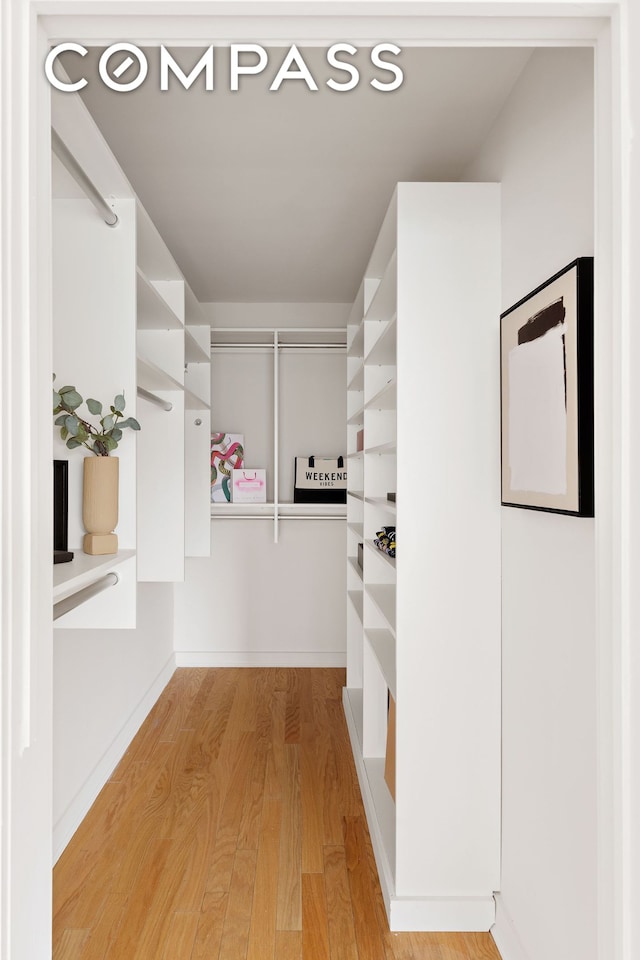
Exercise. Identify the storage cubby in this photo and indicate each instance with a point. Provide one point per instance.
(292, 409)
(424, 627)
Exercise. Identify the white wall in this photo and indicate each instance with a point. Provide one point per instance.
(541, 149)
(105, 682)
(255, 601)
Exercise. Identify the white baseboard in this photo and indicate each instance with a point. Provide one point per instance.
(504, 933)
(77, 810)
(463, 914)
(260, 658)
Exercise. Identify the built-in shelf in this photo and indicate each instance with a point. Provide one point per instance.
(383, 352)
(153, 311)
(193, 402)
(357, 600)
(384, 597)
(391, 561)
(152, 377)
(286, 510)
(193, 352)
(390, 446)
(356, 494)
(383, 504)
(383, 644)
(383, 304)
(356, 566)
(357, 381)
(70, 577)
(356, 455)
(384, 399)
(357, 528)
(355, 347)
(357, 418)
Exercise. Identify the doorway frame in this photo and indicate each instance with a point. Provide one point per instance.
(26, 28)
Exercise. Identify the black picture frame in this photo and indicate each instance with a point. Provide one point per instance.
(546, 370)
(61, 553)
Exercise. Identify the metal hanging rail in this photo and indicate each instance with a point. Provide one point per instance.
(152, 398)
(68, 160)
(84, 594)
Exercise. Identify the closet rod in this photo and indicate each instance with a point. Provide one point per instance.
(282, 346)
(65, 156)
(84, 594)
(152, 398)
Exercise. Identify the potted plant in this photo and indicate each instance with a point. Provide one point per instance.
(100, 472)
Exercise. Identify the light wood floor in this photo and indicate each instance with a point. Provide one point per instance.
(233, 829)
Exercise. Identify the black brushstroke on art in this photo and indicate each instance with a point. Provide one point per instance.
(542, 322)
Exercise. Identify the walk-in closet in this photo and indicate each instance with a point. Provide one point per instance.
(313, 275)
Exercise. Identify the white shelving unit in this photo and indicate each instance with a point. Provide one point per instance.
(424, 628)
(124, 285)
(274, 343)
(173, 363)
(88, 304)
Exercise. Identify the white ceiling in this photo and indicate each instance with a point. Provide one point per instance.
(277, 196)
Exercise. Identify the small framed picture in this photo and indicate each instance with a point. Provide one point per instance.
(546, 343)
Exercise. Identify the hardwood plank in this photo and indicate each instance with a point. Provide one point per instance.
(262, 933)
(481, 946)
(275, 756)
(235, 934)
(70, 946)
(104, 928)
(289, 910)
(182, 933)
(288, 945)
(136, 834)
(342, 934)
(363, 892)
(452, 946)
(315, 923)
(135, 914)
(208, 936)
(417, 946)
(191, 682)
(254, 798)
(311, 772)
(292, 714)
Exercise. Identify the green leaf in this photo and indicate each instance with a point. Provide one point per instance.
(109, 443)
(72, 399)
(95, 406)
(60, 421)
(116, 433)
(72, 424)
(64, 433)
(82, 433)
(107, 423)
(119, 402)
(72, 443)
(133, 423)
(56, 400)
(66, 389)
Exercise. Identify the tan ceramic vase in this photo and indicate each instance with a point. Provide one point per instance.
(100, 504)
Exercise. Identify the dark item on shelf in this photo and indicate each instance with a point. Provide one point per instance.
(360, 554)
(320, 480)
(385, 540)
(359, 441)
(391, 497)
(61, 511)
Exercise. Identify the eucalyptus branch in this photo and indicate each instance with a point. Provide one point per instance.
(76, 431)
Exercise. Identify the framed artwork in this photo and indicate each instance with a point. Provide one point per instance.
(546, 363)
